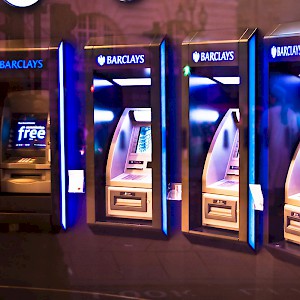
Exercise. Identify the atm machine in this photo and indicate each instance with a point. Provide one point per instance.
(25, 151)
(219, 120)
(220, 204)
(292, 201)
(281, 154)
(34, 145)
(126, 146)
(128, 170)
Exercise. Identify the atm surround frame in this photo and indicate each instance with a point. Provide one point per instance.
(284, 34)
(243, 48)
(155, 58)
(44, 210)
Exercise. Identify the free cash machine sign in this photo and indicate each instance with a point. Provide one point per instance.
(21, 3)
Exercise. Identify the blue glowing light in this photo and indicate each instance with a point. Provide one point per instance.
(62, 135)
(102, 116)
(163, 142)
(251, 154)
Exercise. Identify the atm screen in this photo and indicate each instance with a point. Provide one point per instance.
(144, 143)
(28, 131)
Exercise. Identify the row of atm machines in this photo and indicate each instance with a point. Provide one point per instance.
(231, 130)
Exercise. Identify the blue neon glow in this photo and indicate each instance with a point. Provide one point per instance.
(147, 72)
(101, 83)
(163, 135)
(200, 115)
(196, 81)
(21, 64)
(251, 154)
(101, 116)
(62, 135)
(133, 81)
(228, 80)
(142, 115)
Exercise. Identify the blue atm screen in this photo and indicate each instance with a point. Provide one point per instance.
(28, 132)
(144, 143)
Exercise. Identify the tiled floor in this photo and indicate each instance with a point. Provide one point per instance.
(79, 264)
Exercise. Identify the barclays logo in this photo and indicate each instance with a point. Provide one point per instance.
(121, 59)
(213, 56)
(21, 64)
(285, 51)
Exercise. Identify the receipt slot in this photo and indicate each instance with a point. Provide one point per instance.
(219, 137)
(281, 146)
(126, 143)
(33, 149)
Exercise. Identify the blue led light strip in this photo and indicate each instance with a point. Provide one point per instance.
(62, 136)
(163, 137)
(251, 154)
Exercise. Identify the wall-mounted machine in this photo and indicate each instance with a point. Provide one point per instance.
(220, 183)
(281, 140)
(33, 145)
(219, 143)
(126, 145)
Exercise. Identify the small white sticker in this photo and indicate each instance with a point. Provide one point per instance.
(257, 195)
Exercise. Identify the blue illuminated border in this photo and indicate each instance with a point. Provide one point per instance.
(251, 154)
(163, 138)
(62, 135)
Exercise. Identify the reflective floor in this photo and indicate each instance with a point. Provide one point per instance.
(78, 264)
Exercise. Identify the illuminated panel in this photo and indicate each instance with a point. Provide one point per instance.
(62, 135)
(133, 81)
(101, 116)
(203, 115)
(142, 115)
(195, 81)
(101, 83)
(251, 154)
(228, 80)
(163, 135)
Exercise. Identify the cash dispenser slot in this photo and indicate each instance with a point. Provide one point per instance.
(129, 201)
(293, 225)
(224, 210)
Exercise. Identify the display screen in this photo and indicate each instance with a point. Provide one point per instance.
(144, 144)
(28, 131)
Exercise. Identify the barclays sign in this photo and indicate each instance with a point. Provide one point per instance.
(21, 64)
(285, 51)
(136, 59)
(213, 56)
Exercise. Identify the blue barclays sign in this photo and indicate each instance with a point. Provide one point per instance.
(213, 56)
(285, 51)
(21, 64)
(21, 3)
(134, 59)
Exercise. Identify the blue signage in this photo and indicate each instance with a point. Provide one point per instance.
(137, 59)
(213, 56)
(21, 64)
(285, 51)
